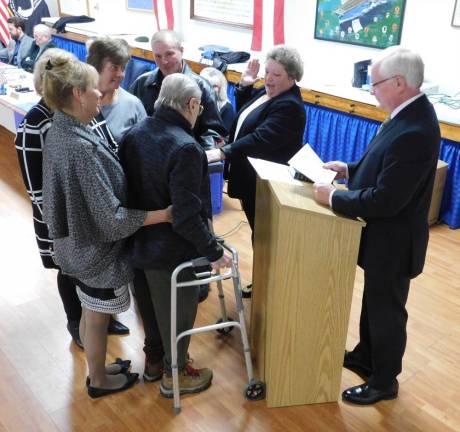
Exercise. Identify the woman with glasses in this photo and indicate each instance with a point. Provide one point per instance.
(119, 108)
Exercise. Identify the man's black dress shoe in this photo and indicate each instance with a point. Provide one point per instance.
(96, 392)
(355, 366)
(74, 329)
(364, 394)
(117, 328)
(246, 291)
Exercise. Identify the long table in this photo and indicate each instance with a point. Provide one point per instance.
(14, 105)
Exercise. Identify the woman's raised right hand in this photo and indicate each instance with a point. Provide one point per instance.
(249, 76)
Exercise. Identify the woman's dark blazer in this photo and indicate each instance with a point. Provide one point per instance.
(273, 131)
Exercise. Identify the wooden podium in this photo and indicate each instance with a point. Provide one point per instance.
(305, 259)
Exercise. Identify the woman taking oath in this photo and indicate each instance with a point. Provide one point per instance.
(269, 125)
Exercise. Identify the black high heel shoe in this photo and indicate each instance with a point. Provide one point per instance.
(124, 367)
(96, 392)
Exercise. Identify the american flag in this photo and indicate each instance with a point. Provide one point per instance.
(5, 13)
(262, 38)
(3, 78)
(164, 14)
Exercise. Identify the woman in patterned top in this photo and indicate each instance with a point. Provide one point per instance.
(29, 143)
(84, 196)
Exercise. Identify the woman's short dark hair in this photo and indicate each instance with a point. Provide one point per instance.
(106, 49)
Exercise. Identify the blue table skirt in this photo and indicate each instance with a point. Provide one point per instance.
(76, 48)
(334, 135)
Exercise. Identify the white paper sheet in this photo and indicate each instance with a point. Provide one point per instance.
(307, 162)
(273, 171)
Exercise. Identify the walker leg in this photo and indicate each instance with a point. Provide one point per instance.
(176, 390)
(244, 334)
(246, 347)
(174, 367)
(223, 309)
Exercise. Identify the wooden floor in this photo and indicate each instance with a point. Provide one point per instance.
(42, 373)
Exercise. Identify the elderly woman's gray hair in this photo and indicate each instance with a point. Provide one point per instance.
(217, 79)
(289, 58)
(176, 91)
(400, 61)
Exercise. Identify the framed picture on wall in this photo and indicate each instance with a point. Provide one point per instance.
(371, 23)
(140, 5)
(456, 15)
(232, 12)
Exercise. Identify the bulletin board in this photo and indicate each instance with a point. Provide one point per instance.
(232, 12)
(371, 23)
(73, 7)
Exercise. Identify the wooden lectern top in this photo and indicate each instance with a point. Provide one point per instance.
(300, 197)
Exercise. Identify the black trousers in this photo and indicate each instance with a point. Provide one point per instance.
(249, 207)
(382, 327)
(68, 293)
(153, 346)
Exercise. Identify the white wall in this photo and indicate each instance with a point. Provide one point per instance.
(53, 7)
(426, 29)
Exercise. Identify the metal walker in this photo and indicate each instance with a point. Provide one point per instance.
(255, 390)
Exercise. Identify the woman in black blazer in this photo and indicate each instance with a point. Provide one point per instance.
(269, 125)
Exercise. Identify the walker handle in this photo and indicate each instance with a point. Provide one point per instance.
(200, 262)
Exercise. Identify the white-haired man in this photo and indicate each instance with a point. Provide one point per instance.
(390, 187)
(167, 50)
(42, 41)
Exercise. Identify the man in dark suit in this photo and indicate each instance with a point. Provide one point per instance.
(390, 187)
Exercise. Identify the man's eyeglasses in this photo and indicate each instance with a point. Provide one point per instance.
(200, 109)
(373, 85)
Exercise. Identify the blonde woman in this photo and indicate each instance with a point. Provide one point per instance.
(219, 83)
(84, 195)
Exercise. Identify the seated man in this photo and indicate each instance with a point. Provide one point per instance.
(165, 165)
(42, 37)
(20, 43)
(167, 50)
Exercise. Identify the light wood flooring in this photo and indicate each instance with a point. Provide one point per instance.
(42, 373)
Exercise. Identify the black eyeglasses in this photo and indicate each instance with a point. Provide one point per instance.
(373, 85)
